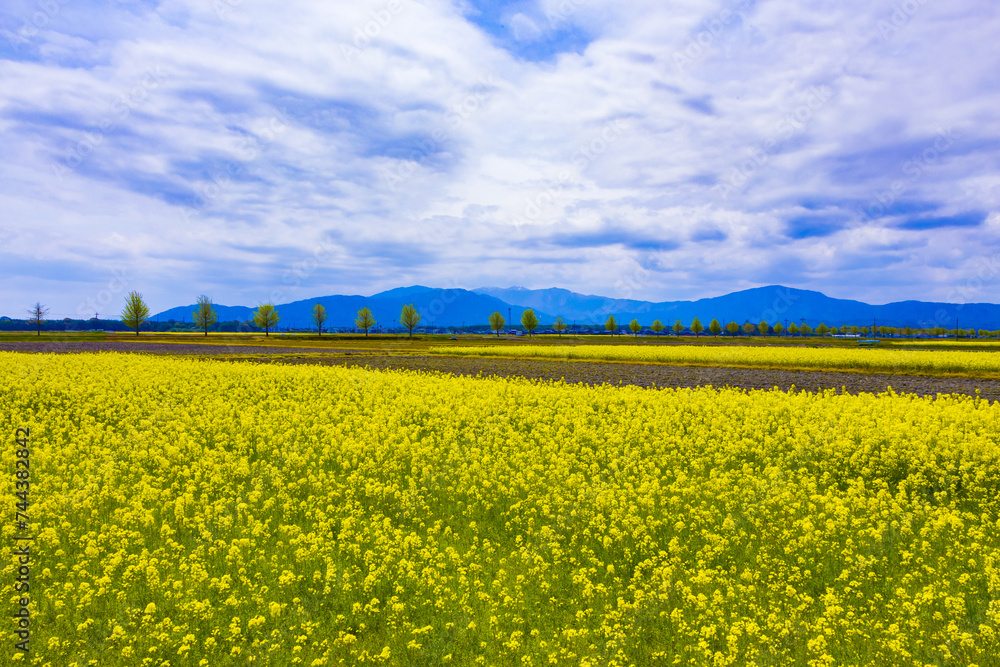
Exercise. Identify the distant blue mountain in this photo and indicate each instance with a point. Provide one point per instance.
(437, 308)
(456, 307)
(773, 303)
(223, 313)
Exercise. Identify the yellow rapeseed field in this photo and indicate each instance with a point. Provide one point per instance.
(211, 513)
(758, 356)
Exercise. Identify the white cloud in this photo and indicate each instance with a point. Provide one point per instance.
(276, 125)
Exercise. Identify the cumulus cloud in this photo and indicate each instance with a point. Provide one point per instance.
(294, 148)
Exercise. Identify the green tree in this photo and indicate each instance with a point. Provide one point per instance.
(136, 312)
(266, 316)
(496, 322)
(529, 320)
(319, 316)
(822, 329)
(657, 327)
(763, 328)
(805, 329)
(611, 325)
(678, 327)
(38, 313)
(696, 327)
(733, 328)
(748, 328)
(559, 325)
(635, 326)
(409, 318)
(792, 329)
(204, 313)
(365, 320)
(833, 331)
(778, 328)
(714, 327)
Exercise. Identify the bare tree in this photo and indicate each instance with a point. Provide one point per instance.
(38, 313)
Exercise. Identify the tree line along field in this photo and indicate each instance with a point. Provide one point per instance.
(198, 512)
(266, 316)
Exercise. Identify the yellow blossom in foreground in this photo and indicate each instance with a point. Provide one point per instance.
(197, 512)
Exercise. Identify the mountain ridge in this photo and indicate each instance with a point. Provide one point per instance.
(454, 307)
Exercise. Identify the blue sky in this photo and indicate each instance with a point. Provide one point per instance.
(257, 150)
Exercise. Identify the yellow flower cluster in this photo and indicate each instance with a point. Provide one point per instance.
(975, 362)
(197, 512)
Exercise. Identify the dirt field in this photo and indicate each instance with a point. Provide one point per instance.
(643, 375)
(670, 376)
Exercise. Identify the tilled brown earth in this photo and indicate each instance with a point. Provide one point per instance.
(644, 375)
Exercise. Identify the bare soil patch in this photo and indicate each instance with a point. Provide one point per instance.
(647, 375)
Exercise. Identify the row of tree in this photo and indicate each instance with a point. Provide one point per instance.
(136, 313)
(530, 322)
(266, 317)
